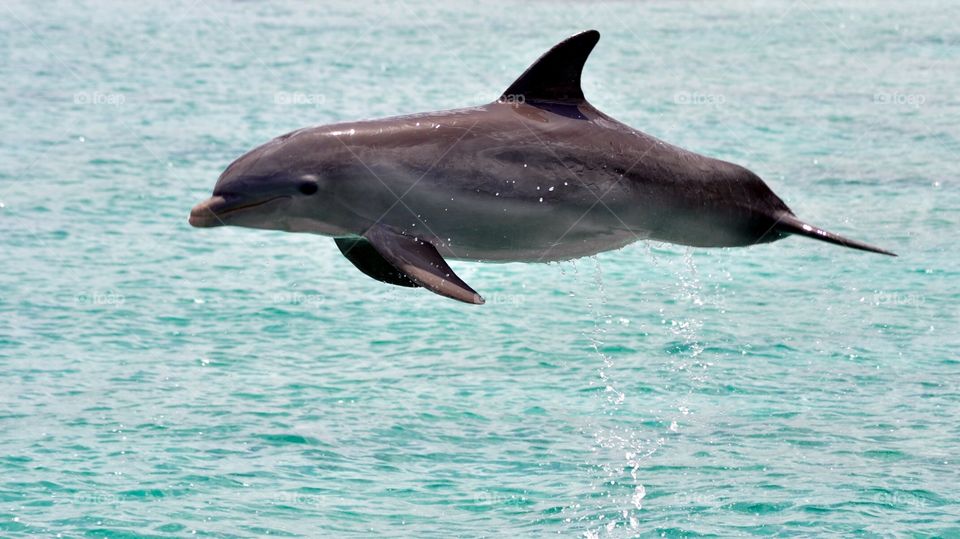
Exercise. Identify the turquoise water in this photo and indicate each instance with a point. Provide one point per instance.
(159, 380)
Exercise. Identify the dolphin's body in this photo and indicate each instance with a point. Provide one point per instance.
(539, 175)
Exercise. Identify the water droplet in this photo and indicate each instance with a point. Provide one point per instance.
(638, 495)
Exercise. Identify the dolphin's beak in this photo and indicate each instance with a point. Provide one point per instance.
(214, 210)
(206, 213)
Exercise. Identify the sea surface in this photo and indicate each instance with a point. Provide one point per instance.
(162, 381)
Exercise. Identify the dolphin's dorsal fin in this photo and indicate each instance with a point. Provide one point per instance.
(555, 76)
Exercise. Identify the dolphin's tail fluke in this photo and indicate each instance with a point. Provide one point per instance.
(789, 224)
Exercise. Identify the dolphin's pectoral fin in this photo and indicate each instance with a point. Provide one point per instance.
(420, 262)
(362, 254)
(555, 76)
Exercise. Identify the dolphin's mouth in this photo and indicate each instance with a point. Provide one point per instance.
(214, 210)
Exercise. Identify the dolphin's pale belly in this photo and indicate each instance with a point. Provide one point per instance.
(539, 221)
(546, 241)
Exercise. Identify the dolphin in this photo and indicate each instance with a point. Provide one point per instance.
(538, 175)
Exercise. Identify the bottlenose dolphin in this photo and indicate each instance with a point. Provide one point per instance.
(538, 175)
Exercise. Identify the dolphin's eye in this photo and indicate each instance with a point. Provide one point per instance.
(308, 188)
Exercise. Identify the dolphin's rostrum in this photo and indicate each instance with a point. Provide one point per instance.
(538, 175)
